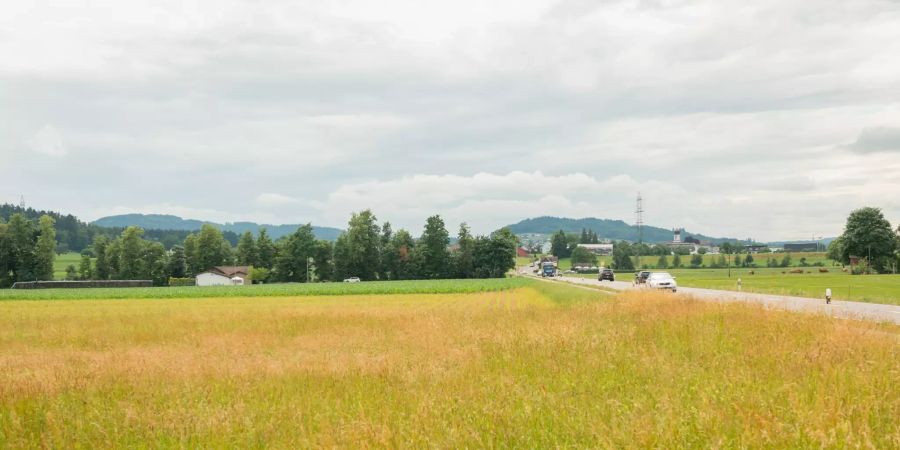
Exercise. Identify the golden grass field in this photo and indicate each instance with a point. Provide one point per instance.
(538, 366)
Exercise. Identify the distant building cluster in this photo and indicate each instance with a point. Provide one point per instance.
(598, 249)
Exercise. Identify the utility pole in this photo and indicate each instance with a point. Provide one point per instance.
(639, 221)
(22, 202)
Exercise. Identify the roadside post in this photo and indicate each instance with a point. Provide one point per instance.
(828, 296)
(739, 283)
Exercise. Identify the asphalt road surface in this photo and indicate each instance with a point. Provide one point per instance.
(847, 310)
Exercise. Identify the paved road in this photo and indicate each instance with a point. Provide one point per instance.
(847, 310)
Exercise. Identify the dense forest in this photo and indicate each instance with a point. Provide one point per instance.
(73, 235)
(170, 222)
(367, 249)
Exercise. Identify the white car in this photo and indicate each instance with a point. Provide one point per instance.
(662, 280)
(352, 280)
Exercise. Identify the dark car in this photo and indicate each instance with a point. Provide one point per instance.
(606, 274)
(641, 277)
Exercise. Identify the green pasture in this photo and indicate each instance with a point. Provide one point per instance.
(272, 290)
(62, 261)
(811, 283)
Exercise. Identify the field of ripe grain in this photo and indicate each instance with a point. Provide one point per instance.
(541, 365)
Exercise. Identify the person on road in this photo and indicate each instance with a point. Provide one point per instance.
(828, 296)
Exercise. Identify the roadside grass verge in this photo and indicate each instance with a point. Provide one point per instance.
(272, 290)
(884, 289)
(542, 365)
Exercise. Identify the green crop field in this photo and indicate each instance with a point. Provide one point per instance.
(537, 365)
(270, 290)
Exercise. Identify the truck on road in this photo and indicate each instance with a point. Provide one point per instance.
(548, 269)
(549, 266)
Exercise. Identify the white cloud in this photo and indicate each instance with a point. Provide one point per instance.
(487, 201)
(270, 199)
(733, 117)
(47, 141)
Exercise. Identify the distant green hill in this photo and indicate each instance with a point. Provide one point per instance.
(605, 229)
(169, 222)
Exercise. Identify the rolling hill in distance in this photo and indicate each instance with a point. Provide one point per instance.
(546, 225)
(605, 229)
(170, 222)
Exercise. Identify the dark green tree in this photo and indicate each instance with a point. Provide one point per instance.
(177, 262)
(696, 261)
(342, 257)
(154, 264)
(676, 261)
(7, 263)
(21, 238)
(265, 249)
(100, 252)
(45, 249)
(247, 254)
(130, 258)
(622, 256)
(85, 271)
(191, 256)
(786, 261)
(432, 248)
(114, 253)
(662, 263)
(495, 255)
(868, 235)
(465, 258)
(212, 248)
(583, 256)
(559, 245)
(401, 249)
(71, 273)
(324, 260)
(385, 266)
(835, 250)
(292, 261)
(357, 254)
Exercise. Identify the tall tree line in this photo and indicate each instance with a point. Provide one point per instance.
(27, 251)
(73, 235)
(368, 250)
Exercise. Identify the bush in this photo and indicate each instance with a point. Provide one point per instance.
(182, 281)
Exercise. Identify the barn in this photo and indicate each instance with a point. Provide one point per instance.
(224, 276)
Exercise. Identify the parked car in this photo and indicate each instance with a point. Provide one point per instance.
(662, 280)
(641, 277)
(352, 280)
(606, 274)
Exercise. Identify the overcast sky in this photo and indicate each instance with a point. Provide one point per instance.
(769, 119)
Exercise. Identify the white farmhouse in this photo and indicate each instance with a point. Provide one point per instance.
(224, 276)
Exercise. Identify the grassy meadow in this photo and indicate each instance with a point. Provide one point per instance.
(62, 261)
(811, 283)
(708, 260)
(534, 365)
(269, 290)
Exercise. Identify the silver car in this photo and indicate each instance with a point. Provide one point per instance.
(662, 280)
